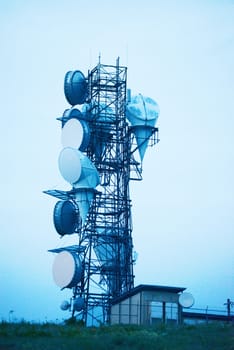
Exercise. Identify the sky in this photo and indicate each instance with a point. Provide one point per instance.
(181, 54)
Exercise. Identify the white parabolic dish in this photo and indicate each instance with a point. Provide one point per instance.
(70, 164)
(72, 134)
(66, 269)
(186, 300)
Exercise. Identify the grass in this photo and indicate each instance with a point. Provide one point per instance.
(27, 336)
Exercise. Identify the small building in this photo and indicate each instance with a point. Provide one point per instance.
(147, 305)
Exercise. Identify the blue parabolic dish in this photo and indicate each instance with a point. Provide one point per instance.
(75, 87)
(65, 217)
(71, 113)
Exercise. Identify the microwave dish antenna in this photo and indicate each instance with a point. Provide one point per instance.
(67, 269)
(75, 87)
(75, 134)
(65, 305)
(186, 300)
(65, 217)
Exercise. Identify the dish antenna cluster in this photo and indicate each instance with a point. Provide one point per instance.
(104, 135)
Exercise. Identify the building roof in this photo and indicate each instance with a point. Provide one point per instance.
(148, 288)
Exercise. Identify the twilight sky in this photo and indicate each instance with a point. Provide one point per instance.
(181, 54)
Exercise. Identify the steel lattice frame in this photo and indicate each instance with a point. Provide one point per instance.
(109, 228)
(105, 241)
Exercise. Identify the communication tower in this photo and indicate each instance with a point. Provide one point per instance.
(104, 144)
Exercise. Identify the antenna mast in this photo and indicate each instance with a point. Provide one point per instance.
(98, 207)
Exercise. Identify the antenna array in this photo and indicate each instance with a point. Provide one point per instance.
(99, 160)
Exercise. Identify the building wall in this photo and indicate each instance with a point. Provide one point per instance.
(126, 311)
(137, 309)
(168, 297)
(167, 301)
(115, 314)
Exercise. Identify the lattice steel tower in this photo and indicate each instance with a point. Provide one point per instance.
(98, 207)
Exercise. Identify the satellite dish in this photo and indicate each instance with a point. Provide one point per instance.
(78, 304)
(186, 300)
(67, 269)
(75, 134)
(75, 87)
(77, 169)
(71, 113)
(65, 305)
(70, 164)
(65, 217)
